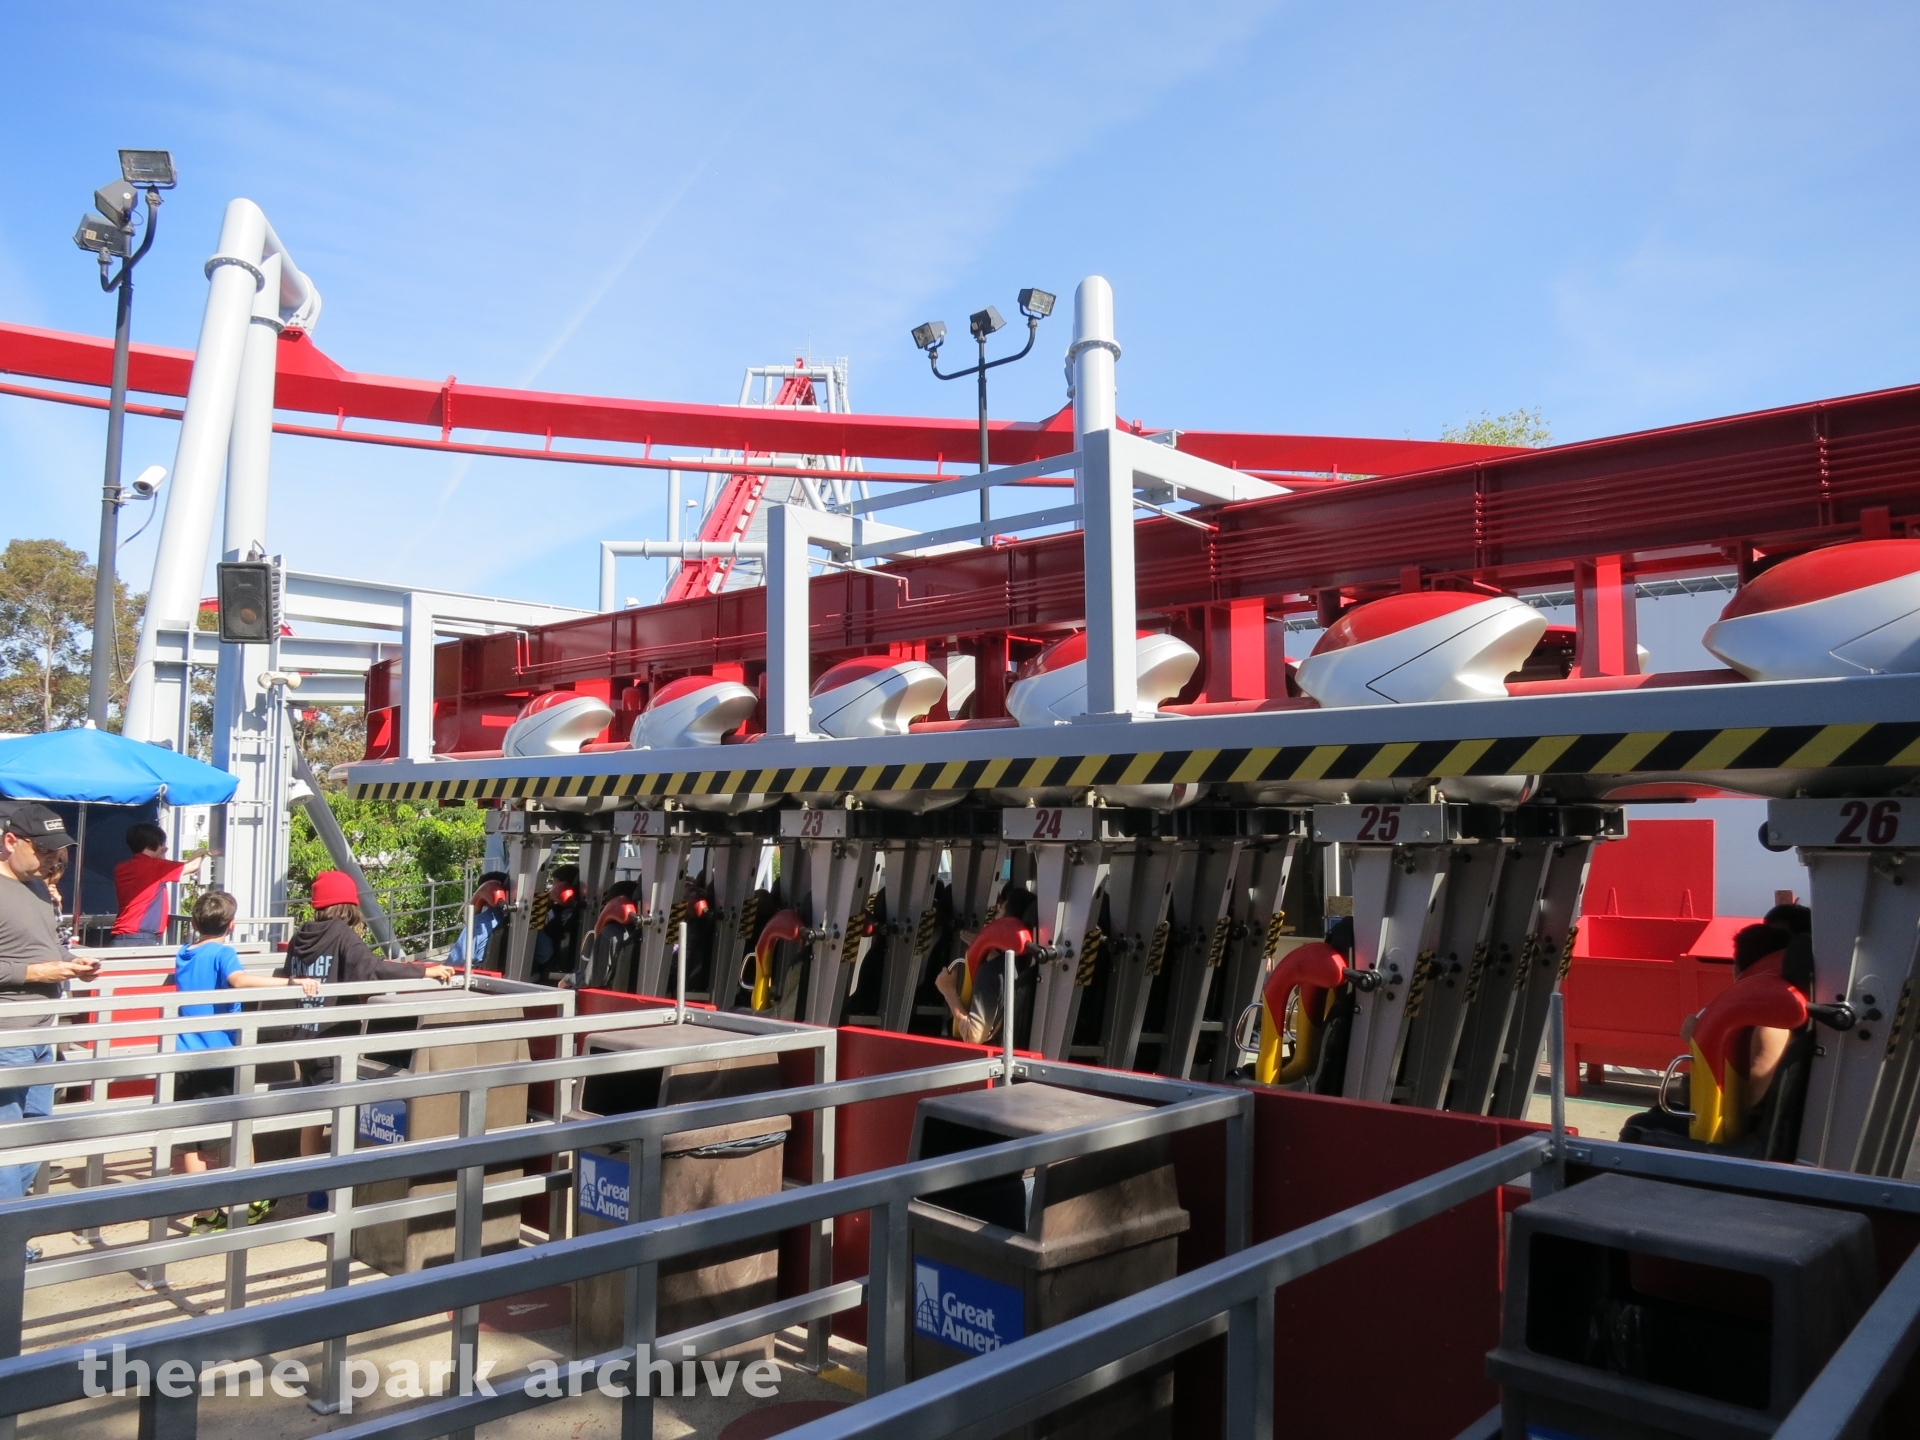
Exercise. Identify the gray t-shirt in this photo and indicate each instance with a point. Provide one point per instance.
(29, 935)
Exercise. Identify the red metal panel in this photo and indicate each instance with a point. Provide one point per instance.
(1649, 951)
(1427, 1301)
(877, 1134)
(1661, 868)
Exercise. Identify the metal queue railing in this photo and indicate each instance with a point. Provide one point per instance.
(712, 1036)
(1233, 1297)
(245, 1116)
(52, 1377)
(259, 1011)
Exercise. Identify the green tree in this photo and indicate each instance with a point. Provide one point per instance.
(333, 735)
(46, 626)
(1516, 427)
(403, 847)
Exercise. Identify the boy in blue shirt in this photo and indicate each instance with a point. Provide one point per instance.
(213, 964)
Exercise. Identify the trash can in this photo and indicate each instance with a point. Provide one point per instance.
(1639, 1309)
(1001, 1259)
(699, 1169)
(403, 1246)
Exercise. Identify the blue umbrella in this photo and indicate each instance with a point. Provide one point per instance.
(100, 768)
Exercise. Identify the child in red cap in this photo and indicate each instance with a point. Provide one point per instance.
(328, 948)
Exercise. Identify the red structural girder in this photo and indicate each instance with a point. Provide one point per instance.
(311, 383)
(1710, 496)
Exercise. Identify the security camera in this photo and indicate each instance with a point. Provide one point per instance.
(147, 483)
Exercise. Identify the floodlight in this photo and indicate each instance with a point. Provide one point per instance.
(930, 335)
(984, 322)
(116, 200)
(102, 237)
(148, 167)
(1036, 304)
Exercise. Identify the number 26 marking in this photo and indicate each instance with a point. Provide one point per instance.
(1881, 823)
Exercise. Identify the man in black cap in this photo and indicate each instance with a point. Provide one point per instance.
(33, 966)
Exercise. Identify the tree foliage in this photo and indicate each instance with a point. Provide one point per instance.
(46, 629)
(402, 846)
(1516, 427)
(333, 735)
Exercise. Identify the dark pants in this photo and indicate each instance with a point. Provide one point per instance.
(139, 937)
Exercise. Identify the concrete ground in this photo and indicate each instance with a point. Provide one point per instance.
(101, 1310)
(1600, 1110)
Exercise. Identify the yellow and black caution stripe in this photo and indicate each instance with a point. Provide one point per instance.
(1761, 747)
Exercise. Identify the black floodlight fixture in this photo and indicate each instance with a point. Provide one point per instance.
(1036, 304)
(249, 602)
(116, 200)
(150, 168)
(103, 237)
(984, 322)
(931, 335)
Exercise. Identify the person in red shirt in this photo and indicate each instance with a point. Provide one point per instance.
(140, 885)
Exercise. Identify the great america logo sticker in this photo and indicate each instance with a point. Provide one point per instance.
(964, 1310)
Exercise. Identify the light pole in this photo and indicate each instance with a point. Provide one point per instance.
(1036, 305)
(107, 234)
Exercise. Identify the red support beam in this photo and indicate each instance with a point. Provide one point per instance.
(312, 383)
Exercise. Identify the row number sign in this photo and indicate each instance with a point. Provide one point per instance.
(1872, 824)
(1047, 822)
(813, 824)
(1381, 824)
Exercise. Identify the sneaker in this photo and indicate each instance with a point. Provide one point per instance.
(210, 1223)
(260, 1210)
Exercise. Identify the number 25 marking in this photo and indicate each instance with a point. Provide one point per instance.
(1379, 822)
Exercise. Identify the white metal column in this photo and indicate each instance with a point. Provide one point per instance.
(251, 739)
(235, 277)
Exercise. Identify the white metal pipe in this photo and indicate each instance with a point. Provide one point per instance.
(673, 505)
(248, 829)
(181, 560)
(680, 980)
(250, 447)
(235, 276)
(1091, 357)
(610, 550)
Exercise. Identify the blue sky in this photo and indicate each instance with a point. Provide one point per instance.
(1359, 219)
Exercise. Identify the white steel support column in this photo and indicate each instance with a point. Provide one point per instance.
(1091, 357)
(790, 530)
(1106, 481)
(416, 676)
(251, 738)
(235, 276)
